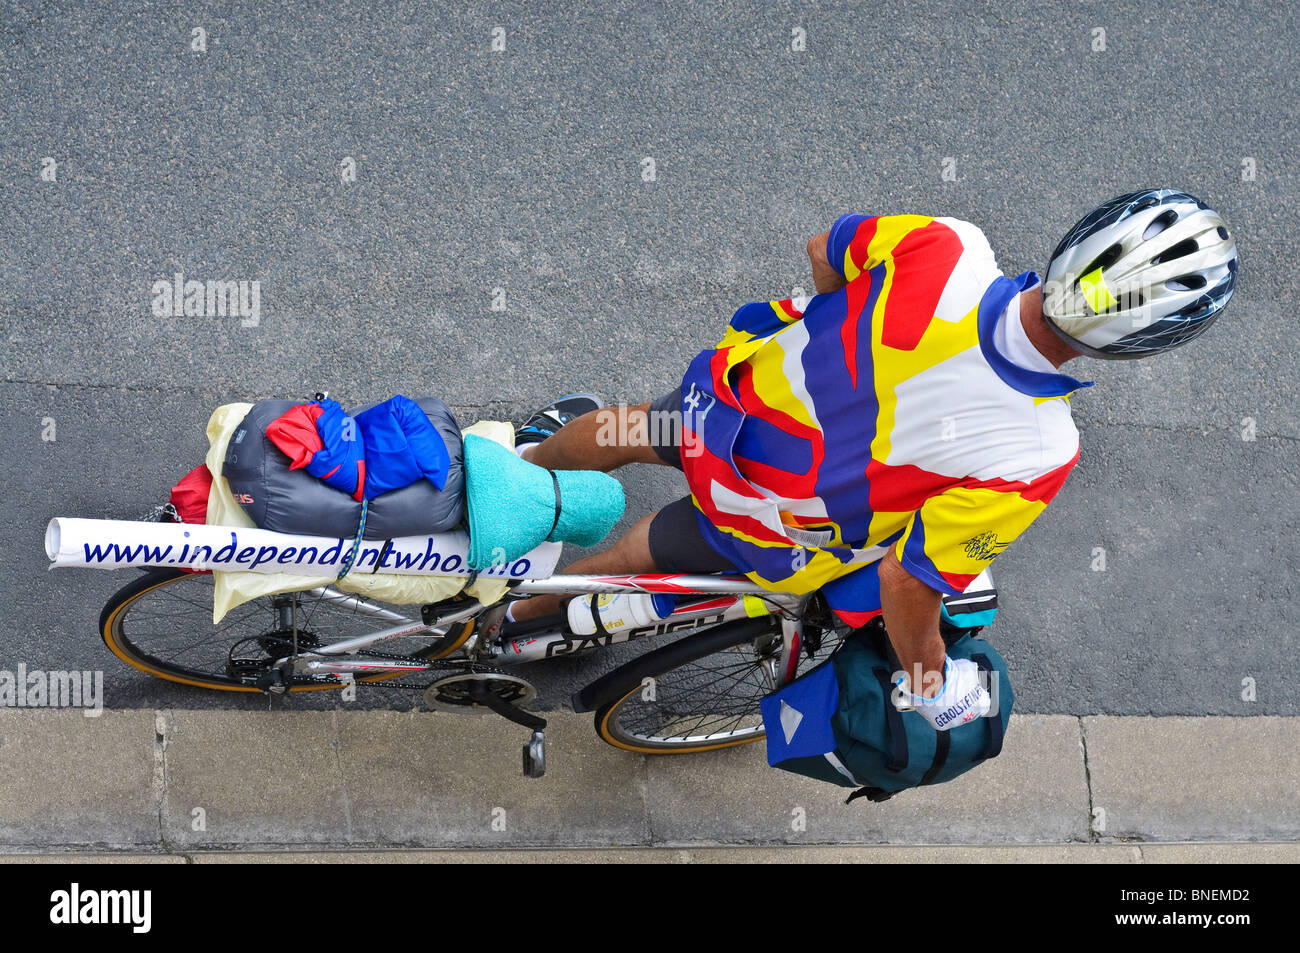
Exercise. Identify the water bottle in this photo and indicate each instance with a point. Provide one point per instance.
(621, 610)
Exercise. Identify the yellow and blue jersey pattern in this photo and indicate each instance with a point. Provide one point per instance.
(882, 415)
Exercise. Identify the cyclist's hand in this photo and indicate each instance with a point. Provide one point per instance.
(962, 699)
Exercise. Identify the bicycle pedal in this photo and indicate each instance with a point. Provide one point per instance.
(535, 756)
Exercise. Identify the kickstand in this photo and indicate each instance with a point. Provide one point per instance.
(535, 749)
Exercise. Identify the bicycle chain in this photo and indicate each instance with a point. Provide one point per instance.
(428, 665)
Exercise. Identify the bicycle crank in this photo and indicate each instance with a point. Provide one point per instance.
(487, 689)
(467, 692)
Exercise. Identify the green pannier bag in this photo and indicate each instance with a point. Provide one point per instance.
(839, 723)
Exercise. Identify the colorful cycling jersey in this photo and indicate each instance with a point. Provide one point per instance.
(888, 413)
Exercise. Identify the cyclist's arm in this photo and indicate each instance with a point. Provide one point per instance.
(911, 611)
(843, 253)
(825, 278)
(948, 542)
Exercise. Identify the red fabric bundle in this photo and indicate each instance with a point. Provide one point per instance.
(190, 496)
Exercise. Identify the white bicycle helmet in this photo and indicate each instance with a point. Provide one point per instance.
(1144, 273)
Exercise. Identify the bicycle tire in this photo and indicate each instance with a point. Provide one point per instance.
(119, 605)
(610, 694)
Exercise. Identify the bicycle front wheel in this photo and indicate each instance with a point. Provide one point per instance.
(698, 694)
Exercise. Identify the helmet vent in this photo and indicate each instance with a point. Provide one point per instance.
(1147, 202)
(1104, 260)
(1126, 301)
(1223, 233)
(1160, 223)
(1184, 248)
(1186, 283)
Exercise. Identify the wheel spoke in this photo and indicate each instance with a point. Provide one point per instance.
(713, 699)
(168, 626)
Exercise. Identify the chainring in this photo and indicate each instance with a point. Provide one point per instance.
(451, 691)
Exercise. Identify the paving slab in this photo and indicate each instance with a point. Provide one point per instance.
(66, 779)
(1095, 853)
(1250, 853)
(1035, 791)
(195, 782)
(437, 779)
(930, 854)
(240, 777)
(1192, 779)
(103, 857)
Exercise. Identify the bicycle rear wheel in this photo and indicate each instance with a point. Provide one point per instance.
(161, 624)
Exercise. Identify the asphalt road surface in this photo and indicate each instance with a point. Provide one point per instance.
(526, 170)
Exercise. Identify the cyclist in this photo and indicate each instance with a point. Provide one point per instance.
(887, 442)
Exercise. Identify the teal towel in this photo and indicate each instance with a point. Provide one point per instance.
(511, 504)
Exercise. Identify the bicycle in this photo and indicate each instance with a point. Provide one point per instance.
(727, 644)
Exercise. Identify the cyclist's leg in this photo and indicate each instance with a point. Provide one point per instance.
(631, 554)
(676, 543)
(667, 541)
(610, 437)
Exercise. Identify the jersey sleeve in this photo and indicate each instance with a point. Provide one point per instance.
(846, 248)
(957, 533)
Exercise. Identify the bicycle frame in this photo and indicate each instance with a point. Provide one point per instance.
(743, 599)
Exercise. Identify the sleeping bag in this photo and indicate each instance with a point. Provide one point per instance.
(315, 484)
